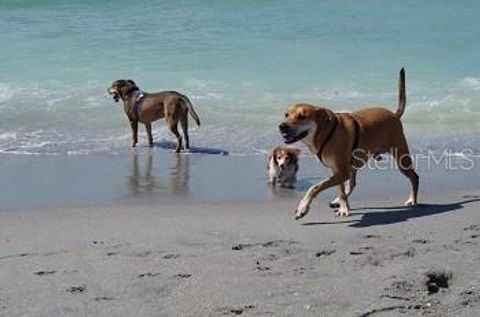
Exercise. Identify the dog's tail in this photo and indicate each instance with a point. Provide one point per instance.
(192, 111)
(402, 96)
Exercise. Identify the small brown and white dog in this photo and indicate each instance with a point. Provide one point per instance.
(283, 166)
(345, 141)
(148, 107)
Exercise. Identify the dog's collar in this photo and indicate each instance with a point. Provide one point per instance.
(137, 105)
(329, 136)
(130, 91)
(356, 138)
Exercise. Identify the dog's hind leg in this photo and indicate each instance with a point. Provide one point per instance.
(174, 128)
(148, 127)
(405, 165)
(349, 185)
(184, 123)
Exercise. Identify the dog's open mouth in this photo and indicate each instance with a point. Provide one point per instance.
(112, 92)
(288, 138)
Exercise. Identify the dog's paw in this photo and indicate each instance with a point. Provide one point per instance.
(299, 215)
(342, 213)
(302, 210)
(410, 203)
(335, 203)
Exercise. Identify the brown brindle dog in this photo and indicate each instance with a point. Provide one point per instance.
(345, 141)
(148, 107)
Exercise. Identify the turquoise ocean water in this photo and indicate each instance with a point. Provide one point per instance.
(241, 63)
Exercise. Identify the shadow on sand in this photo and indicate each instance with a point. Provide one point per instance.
(391, 215)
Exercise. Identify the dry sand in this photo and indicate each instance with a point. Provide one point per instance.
(249, 259)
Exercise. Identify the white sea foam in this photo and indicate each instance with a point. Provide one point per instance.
(6, 93)
(472, 83)
(231, 139)
(7, 136)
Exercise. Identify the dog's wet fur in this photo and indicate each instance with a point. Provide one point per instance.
(332, 136)
(171, 105)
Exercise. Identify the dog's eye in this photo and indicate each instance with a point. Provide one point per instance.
(286, 115)
(301, 116)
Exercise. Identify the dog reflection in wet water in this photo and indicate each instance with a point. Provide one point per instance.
(283, 166)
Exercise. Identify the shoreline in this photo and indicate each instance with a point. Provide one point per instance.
(238, 140)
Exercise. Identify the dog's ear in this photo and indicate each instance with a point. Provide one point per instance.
(121, 86)
(296, 151)
(132, 82)
(324, 115)
(272, 155)
(271, 158)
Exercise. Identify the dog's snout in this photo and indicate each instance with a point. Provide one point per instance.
(283, 127)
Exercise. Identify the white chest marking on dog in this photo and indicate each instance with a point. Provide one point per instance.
(139, 96)
(309, 140)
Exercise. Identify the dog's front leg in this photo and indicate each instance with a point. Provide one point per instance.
(312, 192)
(272, 180)
(134, 126)
(148, 127)
(272, 171)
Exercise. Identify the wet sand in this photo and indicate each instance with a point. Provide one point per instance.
(156, 176)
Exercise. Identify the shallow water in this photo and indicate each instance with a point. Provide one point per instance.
(240, 62)
(147, 177)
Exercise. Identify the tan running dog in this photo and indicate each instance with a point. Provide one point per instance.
(345, 141)
(283, 166)
(148, 107)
